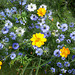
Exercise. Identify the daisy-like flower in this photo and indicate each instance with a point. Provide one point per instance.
(8, 24)
(20, 31)
(64, 52)
(66, 64)
(41, 12)
(5, 30)
(39, 51)
(13, 55)
(45, 28)
(33, 17)
(43, 6)
(72, 35)
(57, 53)
(64, 27)
(14, 10)
(41, 21)
(15, 46)
(48, 33)
(38, 39)
(55, 33)
(31, 7)
(68, 41)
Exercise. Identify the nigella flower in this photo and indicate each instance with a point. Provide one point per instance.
(31, 7)
(13, 55)
(71, 24)
(48, 33)
(39, 51)
(37, 26)
(35, 47)
(14, 10)
(58, 41)
(64, 27)
(20, 54)
(72, 35)
(66, 64)
(52, 69)
(63, 58)
(49, 12)
(33, 17)
(57, 53)
(23, 2)
(59, 65)
(73, 57)
(32, 26)
(5, 30)
(68, 41)
(69, 71)
(58, 25)
(1, 45)
(8, 24)
(61, 37)
(15, 46)
(13, 35)
(6, 40)
(73, 71)
(63, 70)
(45, 28)
(41, 21)
(43, 6)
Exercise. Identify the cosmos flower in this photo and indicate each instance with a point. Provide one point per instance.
(41, 12)
(39, 51)
(38, 39)
(64, 52)
(31, 7)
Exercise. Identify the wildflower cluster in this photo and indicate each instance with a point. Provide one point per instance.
(36, 38)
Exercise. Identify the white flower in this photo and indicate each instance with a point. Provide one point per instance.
(43, 6)
(8, 24)
(58, 41)
(20, 31)
(58, 25)
(31, 7)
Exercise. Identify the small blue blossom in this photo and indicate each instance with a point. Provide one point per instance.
(61, 37)
(52, 69)
(57, 53)
(63, 58)
(13, 55)
(15, 46)
(6, 40)
(13, 35)
(23, 2)
(20, 54)
(48, 34)
(72, 35)
(68, 41)
(59, 65)
(69, 71)
(73, 57)
(1, 45)
(63, 70)
(39, 51)
(5, 30)
(66, 64)
(71, 24)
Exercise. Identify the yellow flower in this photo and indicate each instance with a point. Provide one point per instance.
(38, 39)
(0, 67)
(41, 12)
(64, 52)
(0, 63)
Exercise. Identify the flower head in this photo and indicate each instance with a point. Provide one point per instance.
(38, 39)
(0, 63)
(41, 12)
(64, 52)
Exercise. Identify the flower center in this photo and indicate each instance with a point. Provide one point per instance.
(37, 40)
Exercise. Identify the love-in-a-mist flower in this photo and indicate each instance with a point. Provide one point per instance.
(64, 52)
(38, 39)
(41, 12)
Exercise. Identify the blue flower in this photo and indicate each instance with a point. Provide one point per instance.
(72, 35)
(68, 41)
(71, 24)
(52, 69)
(37, 26)
(63, 58)
(57, 53)
(1, 45)
(59, 65)
(13, 35)
(13, 55)
(14, 10)
(73, 57)
(33, 17)
(69, 71)
(45, 28)
(64, 27)
(61, 37)
(15, 46)
(48, 34)
(20, 54)
(63, 70)
(66, 64)
(5, 30)
(23, 2)
(6, 40)
(73, 70)
(39, 51)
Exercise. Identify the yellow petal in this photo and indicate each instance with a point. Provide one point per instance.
(33, 43)
(0, 67)
(0, 63)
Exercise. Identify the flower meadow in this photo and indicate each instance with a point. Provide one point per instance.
(38, 37)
